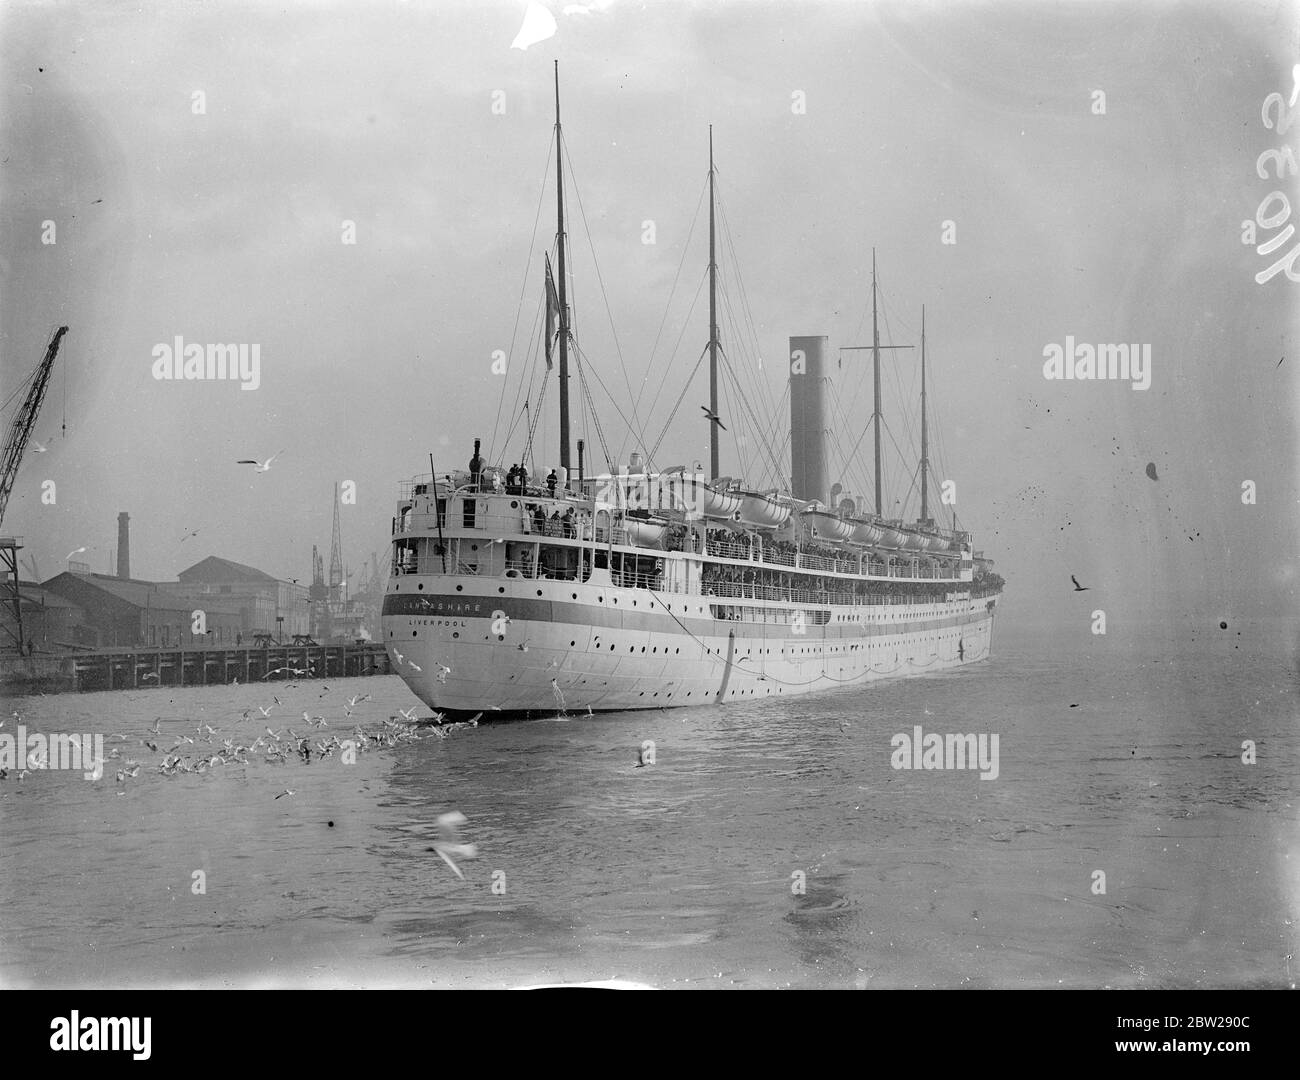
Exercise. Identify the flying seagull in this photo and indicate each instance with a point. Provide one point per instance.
(72, 553)
(262, 466)
(713, 417)
(1077, 586)
(449, 844)
(37, 448)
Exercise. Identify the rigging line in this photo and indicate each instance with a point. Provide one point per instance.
(23, 385)
(676, 346)
(519, 411)
(671, 293)
(618, 348)
(870, 487)
(784, 480)
(729, 313)
(600, 434)
(596, 375)
(523, 289)
(748, 313)
(895, 442)
(785, 445)
(769, 434)
(743, 356)
(685, 387)
(729, 238)
(535, 334)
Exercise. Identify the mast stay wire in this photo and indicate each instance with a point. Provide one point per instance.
(523, 288)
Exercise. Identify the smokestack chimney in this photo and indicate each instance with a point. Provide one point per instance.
(808, 434)
(123, 545)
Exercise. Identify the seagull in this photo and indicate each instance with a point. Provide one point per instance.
(713, 417)
(641, 762)
(72, 553)
(473, 720)
(353, 702)
(262, 466)
(408, 714)
(149, 675)
(37, 448)
(188, 535)
(443, 672)
(522, 646)
(285, 792)
(264, 711)
(1077, 586)
(449, 843)
(157, 725)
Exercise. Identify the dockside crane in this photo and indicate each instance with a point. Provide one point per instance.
(20, 431)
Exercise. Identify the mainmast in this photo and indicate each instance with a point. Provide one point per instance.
(563, 282)
(925, 443)
(875, 361)
(713, 328)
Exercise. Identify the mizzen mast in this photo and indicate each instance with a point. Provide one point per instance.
(925, 441)
(563, 282)
(713, 328)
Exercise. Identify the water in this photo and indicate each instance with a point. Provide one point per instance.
(684, 873)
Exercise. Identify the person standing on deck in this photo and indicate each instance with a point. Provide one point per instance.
(476, 466)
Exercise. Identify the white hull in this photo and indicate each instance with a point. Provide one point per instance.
(601, 652)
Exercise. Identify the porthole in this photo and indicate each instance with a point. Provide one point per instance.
(572, 644)
(539, 592)
(455, 633)
(460, 588)
(420, 585)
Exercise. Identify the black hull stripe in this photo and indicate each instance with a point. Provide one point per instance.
(439, 608)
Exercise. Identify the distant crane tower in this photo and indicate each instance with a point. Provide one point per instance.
(337, 591)
(319, 595)
(20, 431)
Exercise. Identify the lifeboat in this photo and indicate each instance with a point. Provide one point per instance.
(913, 541)
(935, 543)
(720, 505)
(763, 510)
(892, 535)
(645, 532)
(866, 532)
(827, 526)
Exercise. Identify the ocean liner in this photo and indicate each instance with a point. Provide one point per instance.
(646, 588)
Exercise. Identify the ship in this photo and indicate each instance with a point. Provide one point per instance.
(639, 587)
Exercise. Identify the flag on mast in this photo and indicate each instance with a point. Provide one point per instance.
(552, 311)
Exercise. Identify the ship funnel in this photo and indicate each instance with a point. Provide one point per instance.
(123, 545)
(808, 432)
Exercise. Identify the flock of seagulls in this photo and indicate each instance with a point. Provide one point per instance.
(206, 748)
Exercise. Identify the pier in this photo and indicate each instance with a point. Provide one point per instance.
(132, 668)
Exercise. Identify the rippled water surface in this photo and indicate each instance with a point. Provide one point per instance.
(686, 872)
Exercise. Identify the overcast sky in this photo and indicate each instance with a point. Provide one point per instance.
(837, 128)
